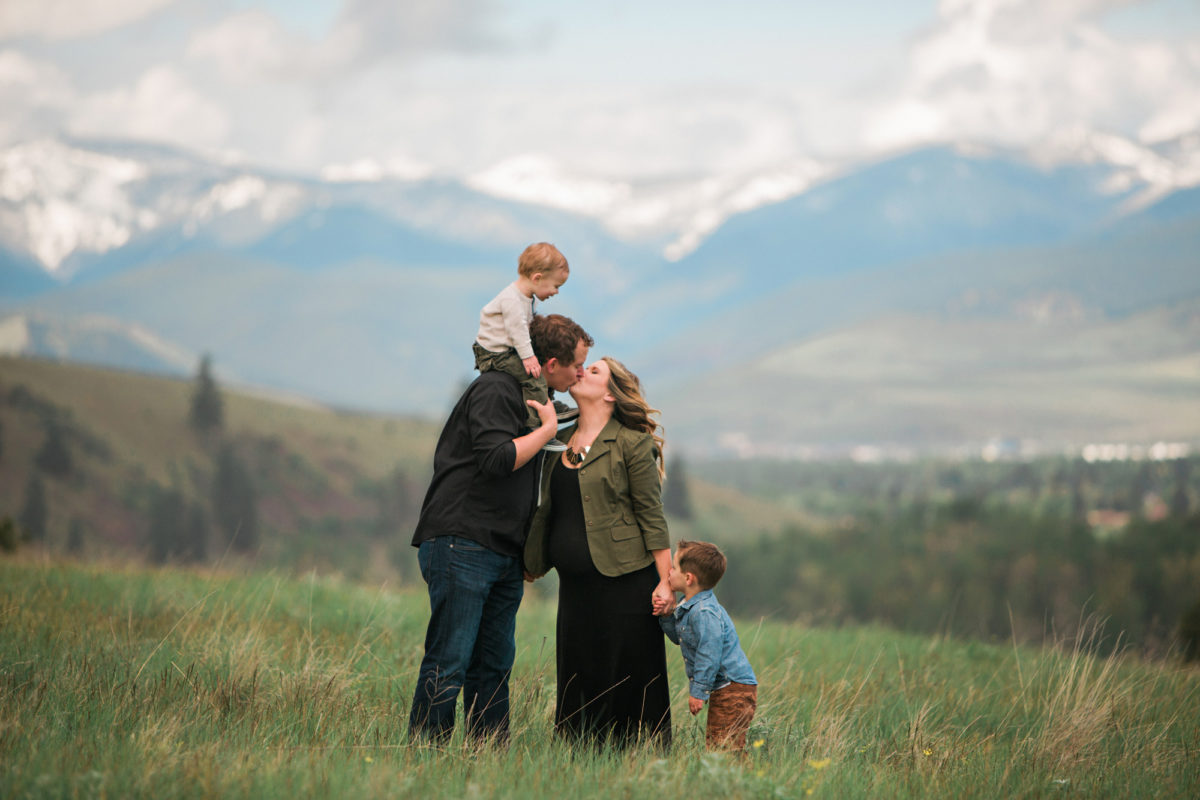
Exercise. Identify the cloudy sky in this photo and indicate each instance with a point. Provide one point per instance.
(626, 89)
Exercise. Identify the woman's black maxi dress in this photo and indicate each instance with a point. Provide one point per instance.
(612, 666)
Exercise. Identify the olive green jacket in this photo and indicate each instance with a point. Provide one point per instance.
(622, 504)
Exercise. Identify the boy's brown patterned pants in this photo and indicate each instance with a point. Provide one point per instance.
(730, 710)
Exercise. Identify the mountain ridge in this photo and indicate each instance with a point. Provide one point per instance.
(365, 294)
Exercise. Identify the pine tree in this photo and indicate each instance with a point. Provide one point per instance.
(196, 536)
(234, 501)
(55, 457)
(166, 525)
(1189, 634)
(8, 535)
(1078, 504)
(677, 501)
(33, 515)
(75, 536)
(207, 410)
(1138, 488)
(1180, 502)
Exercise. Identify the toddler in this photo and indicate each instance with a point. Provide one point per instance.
(502, 342)
(717, 669)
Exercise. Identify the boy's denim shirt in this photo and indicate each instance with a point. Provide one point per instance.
(712, 655)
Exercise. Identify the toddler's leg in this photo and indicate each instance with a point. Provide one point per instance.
(484, 359)
(534, 389)
(730, 710)
(531, 388)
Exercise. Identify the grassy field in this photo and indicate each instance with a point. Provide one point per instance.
(118, 681)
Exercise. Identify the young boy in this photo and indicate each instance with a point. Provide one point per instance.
(502, 342)
(716, 667)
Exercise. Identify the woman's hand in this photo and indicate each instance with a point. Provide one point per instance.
(663, 599)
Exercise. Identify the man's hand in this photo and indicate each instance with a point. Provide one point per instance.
(694, 705)
(532, 367)
(545, 411)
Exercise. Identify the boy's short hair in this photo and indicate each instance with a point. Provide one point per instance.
(704, 560)
(556, 336)
(540, 257)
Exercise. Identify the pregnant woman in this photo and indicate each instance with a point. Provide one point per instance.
(601, 526)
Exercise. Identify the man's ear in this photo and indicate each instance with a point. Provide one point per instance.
(551, 364)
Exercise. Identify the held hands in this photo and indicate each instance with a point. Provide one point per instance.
(662, 602)
(694, 705)
(532, 367)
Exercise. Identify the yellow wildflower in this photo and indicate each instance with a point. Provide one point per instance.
(820, 763)
(759, 743)
(369, 760)
(928, 751)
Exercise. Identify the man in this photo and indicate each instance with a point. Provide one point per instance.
(472, 532)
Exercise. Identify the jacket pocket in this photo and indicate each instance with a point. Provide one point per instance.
(627, 544)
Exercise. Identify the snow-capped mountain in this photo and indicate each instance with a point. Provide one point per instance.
(77, 211)
(64, 205)
(345, 287)
(1151, 171)
(61, 203)
(677, 213)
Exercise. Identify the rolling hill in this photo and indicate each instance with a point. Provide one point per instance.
(334, 490)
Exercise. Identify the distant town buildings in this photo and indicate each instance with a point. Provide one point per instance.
(737, 444)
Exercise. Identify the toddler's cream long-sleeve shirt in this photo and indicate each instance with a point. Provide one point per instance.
(504, 322)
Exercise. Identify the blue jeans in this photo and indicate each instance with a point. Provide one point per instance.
(470, 643)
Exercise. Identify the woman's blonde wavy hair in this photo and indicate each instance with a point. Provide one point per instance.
(631, 409)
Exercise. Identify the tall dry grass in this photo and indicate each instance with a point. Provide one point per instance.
(127, 682)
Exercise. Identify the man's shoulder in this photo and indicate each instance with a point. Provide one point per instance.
(494, 380)
(491, 390)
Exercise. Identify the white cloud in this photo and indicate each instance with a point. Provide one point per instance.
(388, 87)
(252, 44)
(161, 106)
(33, 94)
(255, 45)
(70, 19)
(368, 170)
(1179, 113)
(368, 31)
(1017, 71)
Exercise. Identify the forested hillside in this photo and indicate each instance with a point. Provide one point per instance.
(108, 464)
(1024, 550)
(116, 465)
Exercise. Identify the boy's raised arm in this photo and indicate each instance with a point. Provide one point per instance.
(667, 623)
